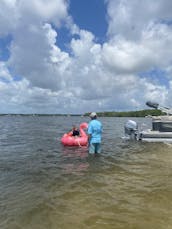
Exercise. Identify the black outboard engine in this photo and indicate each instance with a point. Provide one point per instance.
(166, 110)
(152, 104)
(131, 129)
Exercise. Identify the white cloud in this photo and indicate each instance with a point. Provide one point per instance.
(152, 50)
(42, 10)
(8, 16)
(92, 76)
(129, 19)
(4, 72)
(39, 59)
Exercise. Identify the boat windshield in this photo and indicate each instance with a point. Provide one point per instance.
(162, 126)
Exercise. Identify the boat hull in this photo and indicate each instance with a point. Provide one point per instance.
(155, 136)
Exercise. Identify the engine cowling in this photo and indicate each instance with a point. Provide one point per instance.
(131, 129)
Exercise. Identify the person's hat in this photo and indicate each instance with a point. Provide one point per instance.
(93, 114)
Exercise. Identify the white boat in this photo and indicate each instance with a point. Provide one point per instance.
(160, 131)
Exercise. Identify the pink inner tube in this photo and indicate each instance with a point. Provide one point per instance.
(82, 140)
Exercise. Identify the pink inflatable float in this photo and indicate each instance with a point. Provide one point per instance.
(82, 140)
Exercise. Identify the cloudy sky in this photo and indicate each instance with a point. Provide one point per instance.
(77, 56)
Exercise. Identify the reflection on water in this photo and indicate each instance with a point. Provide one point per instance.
(74, 160)
(45, 185)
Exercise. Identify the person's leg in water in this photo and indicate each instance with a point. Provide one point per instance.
(98, 148)
(92, 148)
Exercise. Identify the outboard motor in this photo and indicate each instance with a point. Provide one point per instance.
(166, 110)
(152, 104)
(131, 129)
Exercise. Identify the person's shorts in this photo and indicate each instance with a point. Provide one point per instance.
(95, 148)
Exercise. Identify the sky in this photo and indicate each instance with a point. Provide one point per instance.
(77, 56)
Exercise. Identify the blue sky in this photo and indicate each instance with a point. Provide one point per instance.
(90, 15)
(84, 15)
(4, 47)
(79, 56)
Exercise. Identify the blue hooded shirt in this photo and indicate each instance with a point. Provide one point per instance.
(95, 130)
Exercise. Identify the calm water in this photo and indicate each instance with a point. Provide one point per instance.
(44, 185)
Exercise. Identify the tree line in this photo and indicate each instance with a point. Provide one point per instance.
(140, 113)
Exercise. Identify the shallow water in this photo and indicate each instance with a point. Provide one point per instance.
(45, 185)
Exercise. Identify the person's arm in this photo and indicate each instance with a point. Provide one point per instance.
(89, 138)
(70, 133)
(89, 133)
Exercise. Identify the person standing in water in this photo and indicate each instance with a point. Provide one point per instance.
(94, 134)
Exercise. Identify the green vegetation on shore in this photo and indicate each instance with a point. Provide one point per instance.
(140, 113)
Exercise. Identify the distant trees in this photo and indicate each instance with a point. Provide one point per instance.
(141, 113)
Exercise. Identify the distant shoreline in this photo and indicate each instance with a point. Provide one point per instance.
(140, 113)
